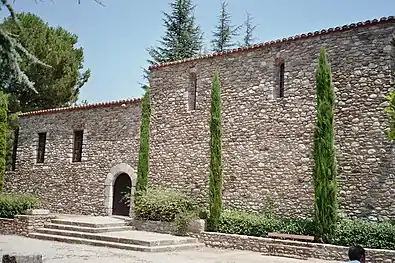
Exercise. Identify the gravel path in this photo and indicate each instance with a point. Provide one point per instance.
(56, 252)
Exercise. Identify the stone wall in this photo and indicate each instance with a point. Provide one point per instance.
(267, 139)
(110, 147)
(22, 225)
(295, 249)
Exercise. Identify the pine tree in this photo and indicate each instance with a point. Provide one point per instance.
(3, 137)
(249, 28)
(225, 31)
(11, 51)
(182, 39)
(215, 185)
(325, 181)
(143, 163)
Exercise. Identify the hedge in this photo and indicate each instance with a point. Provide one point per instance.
(12, 205)
(378, 235)
(162, 205)
(232, 222)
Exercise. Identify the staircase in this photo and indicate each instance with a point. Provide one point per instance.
(111, 232)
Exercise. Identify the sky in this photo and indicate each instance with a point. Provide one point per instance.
(115, 37)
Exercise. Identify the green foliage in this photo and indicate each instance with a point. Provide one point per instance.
(12, 126)
(215, 184)
(162, 205)
(183, 219)
(224, 31)
(365, 233)
(3, 137)
(12, 205)
(12, 53)
(347, 232)
(249, 29)
(325, 183)
(232, 222)
(143, 163)
(57, 85)
(390, 131)
(182, 39)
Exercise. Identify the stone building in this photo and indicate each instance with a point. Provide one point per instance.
(73, 157)
(268, 102)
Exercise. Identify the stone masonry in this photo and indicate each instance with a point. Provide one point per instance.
(110, 146)
(267, 137)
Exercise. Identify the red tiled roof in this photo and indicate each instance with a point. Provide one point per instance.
(273, 42)
(82, 107)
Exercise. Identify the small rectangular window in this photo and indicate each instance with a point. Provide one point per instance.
(14, 149)
(77, 149)
(42, 137)
(192, 91)
(281, 82)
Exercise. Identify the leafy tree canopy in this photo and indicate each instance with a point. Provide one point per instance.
(57, 85)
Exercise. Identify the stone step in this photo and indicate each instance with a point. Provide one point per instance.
(76, 240)
(92, 224)
(126, 237)
(88, 229)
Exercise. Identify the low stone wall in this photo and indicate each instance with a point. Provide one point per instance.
(301, 250)
(197, 226)
(22, 225)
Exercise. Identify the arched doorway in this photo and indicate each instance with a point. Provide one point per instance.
(122, 186)
(109, 186)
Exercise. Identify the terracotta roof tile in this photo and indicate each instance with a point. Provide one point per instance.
(82, 107)
(273, 42)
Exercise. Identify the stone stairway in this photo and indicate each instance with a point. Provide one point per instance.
(111, 232)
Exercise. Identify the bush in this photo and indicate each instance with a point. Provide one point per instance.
(347, 232)
(233, 222)
(162, 205)
(183, 219)
(365, 233)
(12, 205)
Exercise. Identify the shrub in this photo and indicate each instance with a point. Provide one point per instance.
(347, 232)
(12, 205)
(380, 235)
(162, 205)
(240, 223)
(183, 219)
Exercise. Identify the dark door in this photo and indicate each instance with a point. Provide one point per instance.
(121, 187)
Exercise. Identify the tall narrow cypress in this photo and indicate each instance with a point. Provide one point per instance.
(325, 183)
(3, 137)
(215, 185)
(143, 165)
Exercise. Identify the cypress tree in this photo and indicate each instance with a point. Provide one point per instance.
(224, 31)
(3, 137)
(390, 109)
(325, 183)
(215, 185)
(143, 164)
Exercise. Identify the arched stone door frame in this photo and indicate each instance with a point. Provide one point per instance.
(115, 171)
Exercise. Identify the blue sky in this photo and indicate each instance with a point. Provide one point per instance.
(115, 37)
